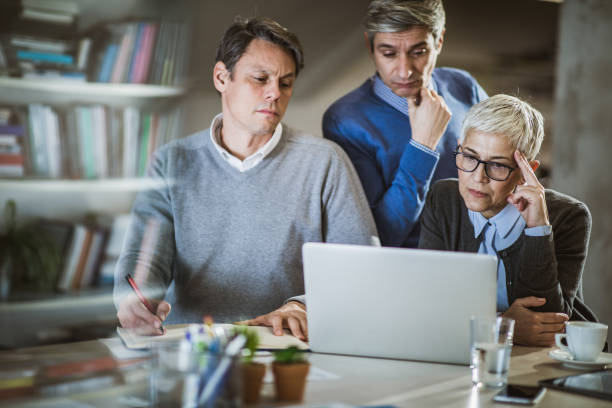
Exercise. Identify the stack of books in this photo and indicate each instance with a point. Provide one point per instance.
(39, 40)
(143, 52)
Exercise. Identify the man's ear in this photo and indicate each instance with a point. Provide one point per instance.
(440, 41)
(367, 42)
(220, 76)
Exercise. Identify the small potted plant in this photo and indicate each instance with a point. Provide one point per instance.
(290, 369)
(29, 259)
(251, 371)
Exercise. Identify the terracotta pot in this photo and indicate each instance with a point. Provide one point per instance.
(290, 380)
(252, 380)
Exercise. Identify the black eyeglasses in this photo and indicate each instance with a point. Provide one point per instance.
(493, 170)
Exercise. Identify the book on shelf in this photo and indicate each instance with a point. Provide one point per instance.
(131, 120)
(44, 142)
(45, 57)
(33, 43)
(83, 255)
(11, 151)
(145, 137)
(141, 60)
(90, 274)
(76, 274)
(55, 11)
(47, 15)
(126, 36)
(61, 6)
(71, 257)
(82, 56)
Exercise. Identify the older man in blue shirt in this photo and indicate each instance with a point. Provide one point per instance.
(401, 126)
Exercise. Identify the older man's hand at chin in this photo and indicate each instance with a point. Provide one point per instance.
(534, 328)
(291, 315)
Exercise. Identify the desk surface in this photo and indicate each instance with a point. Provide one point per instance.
(362, 381)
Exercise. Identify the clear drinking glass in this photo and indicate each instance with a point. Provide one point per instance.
(491, 346)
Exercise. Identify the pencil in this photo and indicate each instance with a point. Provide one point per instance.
(136, 290)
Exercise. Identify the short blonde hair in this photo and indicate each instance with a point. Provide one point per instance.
(509, 117)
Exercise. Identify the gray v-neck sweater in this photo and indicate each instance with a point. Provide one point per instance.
(229, 243)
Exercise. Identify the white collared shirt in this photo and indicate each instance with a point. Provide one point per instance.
(249, 162)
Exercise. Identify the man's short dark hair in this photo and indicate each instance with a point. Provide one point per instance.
(240, 34)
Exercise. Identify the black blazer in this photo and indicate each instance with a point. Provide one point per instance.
(549, 267)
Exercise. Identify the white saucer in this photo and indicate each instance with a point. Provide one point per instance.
(602, 360)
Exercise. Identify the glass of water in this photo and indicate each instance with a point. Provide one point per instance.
(491, 346)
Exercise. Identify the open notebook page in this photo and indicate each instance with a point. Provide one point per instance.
(267, 340)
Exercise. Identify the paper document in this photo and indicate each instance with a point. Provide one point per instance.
(267, 340)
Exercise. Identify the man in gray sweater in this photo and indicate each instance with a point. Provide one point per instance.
(224, 236)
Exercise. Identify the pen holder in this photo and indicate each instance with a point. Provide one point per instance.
(178, 377)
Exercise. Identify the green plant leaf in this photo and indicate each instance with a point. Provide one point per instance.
(252, 341)
(289, 355)
(34, 257)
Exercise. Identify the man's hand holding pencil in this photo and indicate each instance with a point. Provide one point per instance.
(140, 314)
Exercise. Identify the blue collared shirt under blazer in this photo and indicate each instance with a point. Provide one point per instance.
(501, 231)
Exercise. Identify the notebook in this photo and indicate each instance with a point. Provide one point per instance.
(267, 340)
(394, 302)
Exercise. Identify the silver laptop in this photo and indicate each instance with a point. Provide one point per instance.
(396, 303)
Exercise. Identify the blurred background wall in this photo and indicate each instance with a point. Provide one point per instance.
(582, 142)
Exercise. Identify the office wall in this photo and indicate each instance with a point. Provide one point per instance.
(582, 149)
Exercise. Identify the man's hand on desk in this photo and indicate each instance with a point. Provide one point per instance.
(534, 328)
(292, 315)
(134, 315)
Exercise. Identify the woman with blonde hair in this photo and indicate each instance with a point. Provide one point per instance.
(497, 206)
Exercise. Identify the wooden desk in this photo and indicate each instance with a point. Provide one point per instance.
(363, 381)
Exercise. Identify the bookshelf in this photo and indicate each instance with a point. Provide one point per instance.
(144, 112)
(71, 200)
(17, 91)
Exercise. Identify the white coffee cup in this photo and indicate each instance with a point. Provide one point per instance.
(585, 340)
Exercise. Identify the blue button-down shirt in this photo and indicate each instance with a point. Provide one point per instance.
(401, 104)
(374, 129)
(501, 231)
